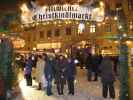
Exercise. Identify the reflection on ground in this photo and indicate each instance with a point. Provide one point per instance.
(84, 90)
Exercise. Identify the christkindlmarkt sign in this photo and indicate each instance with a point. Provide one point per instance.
(73, 12)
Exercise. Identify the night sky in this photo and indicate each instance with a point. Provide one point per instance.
(8, 2)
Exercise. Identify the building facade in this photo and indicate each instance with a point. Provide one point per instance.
(64, 34)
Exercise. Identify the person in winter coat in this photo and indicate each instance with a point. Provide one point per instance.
(28, 71)
(89, 66)
(60, 73)
(107, 77)
(71, 73)
(49, 74)
(40, 71)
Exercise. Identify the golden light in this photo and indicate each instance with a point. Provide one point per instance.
(69, 22)
(34, 49)
(55, 22)
(77, 22)
(115, 18)
(24, 8)
(128, 42)
(88, 23)
(106, 18)
(116, 42)
(101, 3)
(120, 26)
(66, 22)
(99, 24)
(18, 43)
(103, 23)
(80, 1)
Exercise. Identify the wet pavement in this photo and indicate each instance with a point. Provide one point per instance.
(84, 90)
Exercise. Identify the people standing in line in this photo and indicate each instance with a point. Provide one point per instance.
(60, 73)
(49, 73)
(89, 66)
(28, 71)
(40, 71)
(107, 77)
(71, 73)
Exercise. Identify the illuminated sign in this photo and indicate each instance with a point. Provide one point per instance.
(73, 12)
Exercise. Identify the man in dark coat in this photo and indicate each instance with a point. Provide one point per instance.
(60, 73)
(28, 71)
(71, 73)
(107, 77)
(89, 66)
(49, 74)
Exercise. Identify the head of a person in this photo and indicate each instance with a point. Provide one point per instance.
(39, 57)
(45, 56)
(61, 57)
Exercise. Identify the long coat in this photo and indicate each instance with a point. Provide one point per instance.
(49, 70)
(60, 70)
(40, 70)
(28, 67)
(71, 70)
(106, 69)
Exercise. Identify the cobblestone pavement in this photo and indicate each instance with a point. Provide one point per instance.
(84, 90)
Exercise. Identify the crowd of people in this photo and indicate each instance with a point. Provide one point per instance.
(62, 70)
(48, 68)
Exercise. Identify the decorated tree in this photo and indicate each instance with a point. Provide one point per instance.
(6, 68)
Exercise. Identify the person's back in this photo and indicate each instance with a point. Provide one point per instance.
(106, 68)
(107, 77)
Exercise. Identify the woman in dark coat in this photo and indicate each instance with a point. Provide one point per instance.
(107, 77)
(71, 73)
(60, 73)
(28, 71)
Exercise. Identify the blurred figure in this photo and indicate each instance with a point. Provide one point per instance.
(28, 71)
(115, 61)
(40, 71)
(95, 66)
(60, 73)
(89, 66)
(71, 73)
(49, 74)
(107, 77)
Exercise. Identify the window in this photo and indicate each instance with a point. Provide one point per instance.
(57, 32)
(41, 34)
(49, 33)
(68, 31)
(108, 28)
(93, 28)
(130, 4)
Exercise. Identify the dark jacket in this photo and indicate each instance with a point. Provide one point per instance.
(60, 70)
(71, 70)
(106, 69)
(28, 67)
(48, 70)
(89, 62)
